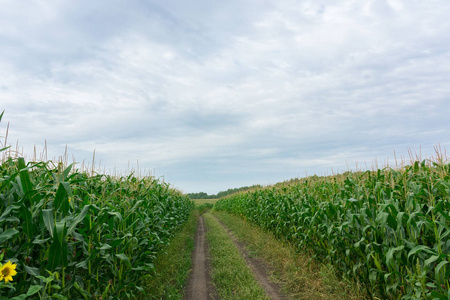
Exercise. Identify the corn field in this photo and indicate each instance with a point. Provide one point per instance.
(388, 229)
(75, 235)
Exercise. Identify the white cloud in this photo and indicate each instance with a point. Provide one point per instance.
(263, 90)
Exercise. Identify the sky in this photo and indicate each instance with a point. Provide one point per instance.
(212, 95)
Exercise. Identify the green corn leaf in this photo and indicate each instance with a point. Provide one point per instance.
(24, 176)
(392, 222)
(54, 255)
(390, 255)
(124, 258)
(55, 287)
(20, 297)
(34, 289)
(446, 215)
(62, 197)
(439, 267)
(32, 271)
(105, 247)
(83, 264)
(41, 241)
(116, 242)
(431, 260)
(78, 219)
(49, 222)
(421, 248)
(357, 244)
(4, 148)
(7, 234)
(58, 249)
(116, 213)
(382, 218)
(138, 203)
(46, 279)
(66, 172)
(64, 254)
(12, 220)
(7, 211)
(56, 295)
(27, 221)
(400, 217)
(82, 292)
(60, 230)
(440, 296)
(141, 268)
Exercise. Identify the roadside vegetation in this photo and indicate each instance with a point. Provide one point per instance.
(388, 229)
(73, 234)
(173, 265)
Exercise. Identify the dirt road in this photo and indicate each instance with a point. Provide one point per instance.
(200, 286)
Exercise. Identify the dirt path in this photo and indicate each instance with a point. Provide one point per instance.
(260, 271)
(200, 284)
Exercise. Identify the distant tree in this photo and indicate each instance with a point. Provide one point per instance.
(200, 195)
(221, 194)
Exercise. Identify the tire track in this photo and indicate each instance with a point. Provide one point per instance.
(200, 283)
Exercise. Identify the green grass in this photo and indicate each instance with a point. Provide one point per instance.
(298, 274)
(203, 201)
(204, 207)
(173, 265)
(231, 275)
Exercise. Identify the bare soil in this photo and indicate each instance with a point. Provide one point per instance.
(200, 283)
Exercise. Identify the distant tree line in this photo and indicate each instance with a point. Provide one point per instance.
(203, 195)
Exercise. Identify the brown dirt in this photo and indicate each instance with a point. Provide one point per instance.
(260, 270)
(200, 283)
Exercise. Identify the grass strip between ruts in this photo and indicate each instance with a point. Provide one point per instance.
(231, 276)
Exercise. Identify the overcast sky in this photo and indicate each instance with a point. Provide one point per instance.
(222, 94)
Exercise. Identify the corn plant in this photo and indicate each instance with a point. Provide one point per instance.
(75, 235)
(387, 228)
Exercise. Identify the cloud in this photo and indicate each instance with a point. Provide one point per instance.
(226, 94)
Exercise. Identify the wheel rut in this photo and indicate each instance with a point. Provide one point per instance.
(200, 285)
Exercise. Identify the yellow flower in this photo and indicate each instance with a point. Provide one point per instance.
(7, 271)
